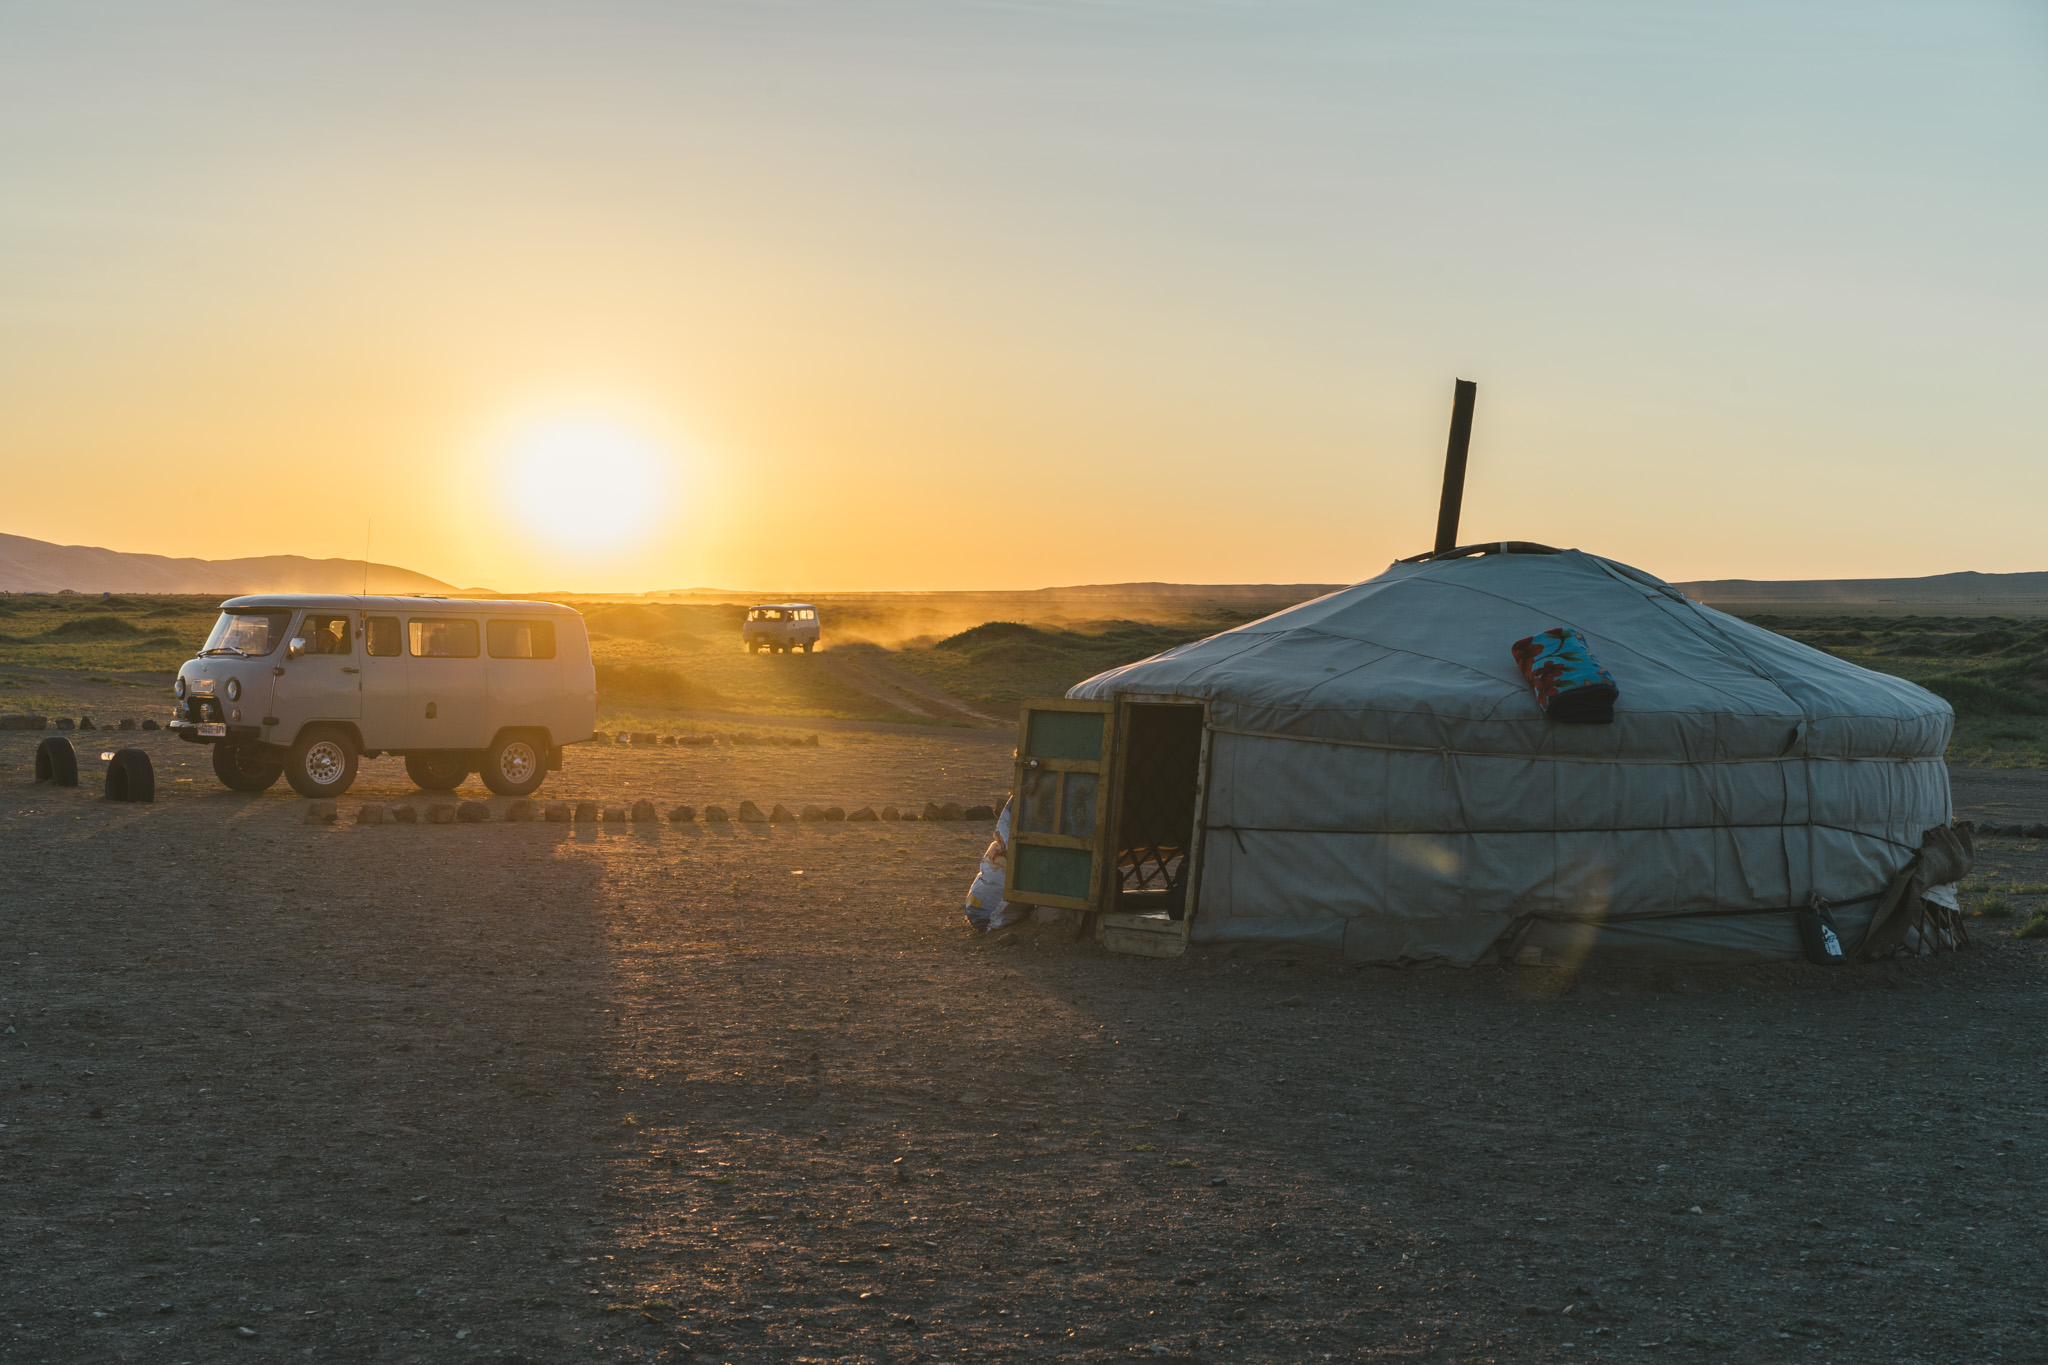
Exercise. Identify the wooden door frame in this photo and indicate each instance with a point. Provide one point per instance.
(1143, 934)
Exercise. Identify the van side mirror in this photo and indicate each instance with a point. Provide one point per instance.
(296, 648)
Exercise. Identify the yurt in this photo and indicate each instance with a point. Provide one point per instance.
(1372, 773)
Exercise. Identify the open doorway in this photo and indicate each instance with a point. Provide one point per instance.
(1158, 790)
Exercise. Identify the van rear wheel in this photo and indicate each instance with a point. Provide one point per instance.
(321, 763)
(245, 768)
(515, 766)
(437, 772)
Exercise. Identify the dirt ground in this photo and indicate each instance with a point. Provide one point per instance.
(546, 1093)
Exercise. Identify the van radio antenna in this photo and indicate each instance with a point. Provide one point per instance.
(366, 556)
(1462, 400)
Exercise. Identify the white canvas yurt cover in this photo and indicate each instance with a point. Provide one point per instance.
(1381, 781)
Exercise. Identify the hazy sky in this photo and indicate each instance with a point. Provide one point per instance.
(850, 294)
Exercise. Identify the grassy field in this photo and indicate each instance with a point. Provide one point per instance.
(678, 665)
(659, 659)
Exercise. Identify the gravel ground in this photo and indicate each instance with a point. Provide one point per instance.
(551, 1093)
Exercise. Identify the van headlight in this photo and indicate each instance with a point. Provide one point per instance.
(234, 689)
(179, 688)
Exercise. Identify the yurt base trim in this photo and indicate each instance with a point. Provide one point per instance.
(1603, 760)
(1409, 832)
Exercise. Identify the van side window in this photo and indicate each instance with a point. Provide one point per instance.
(442, 639)
(327, 633)
(383, 637)
(520, 639)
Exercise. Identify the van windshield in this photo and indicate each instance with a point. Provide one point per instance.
(249, 633)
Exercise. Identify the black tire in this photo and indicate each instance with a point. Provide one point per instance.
(57, 762)
(807, 646)
(246, 768)
(440, 771)
(516, 765)
(753, 646)
(130, 777)
(321, 762)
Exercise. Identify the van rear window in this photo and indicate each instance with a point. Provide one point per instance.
(521, 639)
(442, 639)
(383, 638)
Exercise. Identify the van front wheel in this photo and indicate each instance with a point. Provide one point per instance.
(245, 768)
(321, 763)
(515, 766)
(436, 772)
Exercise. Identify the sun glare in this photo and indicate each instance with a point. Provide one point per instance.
(587, 483)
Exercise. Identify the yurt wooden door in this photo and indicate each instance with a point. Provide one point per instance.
(1056, 809)
(1105, 816)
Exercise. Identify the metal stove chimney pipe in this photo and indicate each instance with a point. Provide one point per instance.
(1454, 466)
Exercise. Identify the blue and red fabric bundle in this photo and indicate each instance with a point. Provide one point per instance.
(1569, 683)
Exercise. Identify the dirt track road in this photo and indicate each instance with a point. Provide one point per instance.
(537, 1093)
(869, 670)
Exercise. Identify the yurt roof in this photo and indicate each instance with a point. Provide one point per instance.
(1419, 657)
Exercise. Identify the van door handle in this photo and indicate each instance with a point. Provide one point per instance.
(351, 670)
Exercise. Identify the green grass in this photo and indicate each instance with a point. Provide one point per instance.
(121, 635)
(1993, 907)
(2036, 926)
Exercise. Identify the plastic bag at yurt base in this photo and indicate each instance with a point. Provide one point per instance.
(1569, 683)
(987, 910)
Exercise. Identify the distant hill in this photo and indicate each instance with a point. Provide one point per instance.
(38, 566)
(2013, 590)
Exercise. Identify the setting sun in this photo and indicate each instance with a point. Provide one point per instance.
(587, 483)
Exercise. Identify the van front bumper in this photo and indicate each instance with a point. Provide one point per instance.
(213, 732)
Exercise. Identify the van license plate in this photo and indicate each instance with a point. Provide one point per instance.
(213, 730)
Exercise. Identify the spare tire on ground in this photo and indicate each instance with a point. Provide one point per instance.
(130, 777)
(57, 762)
